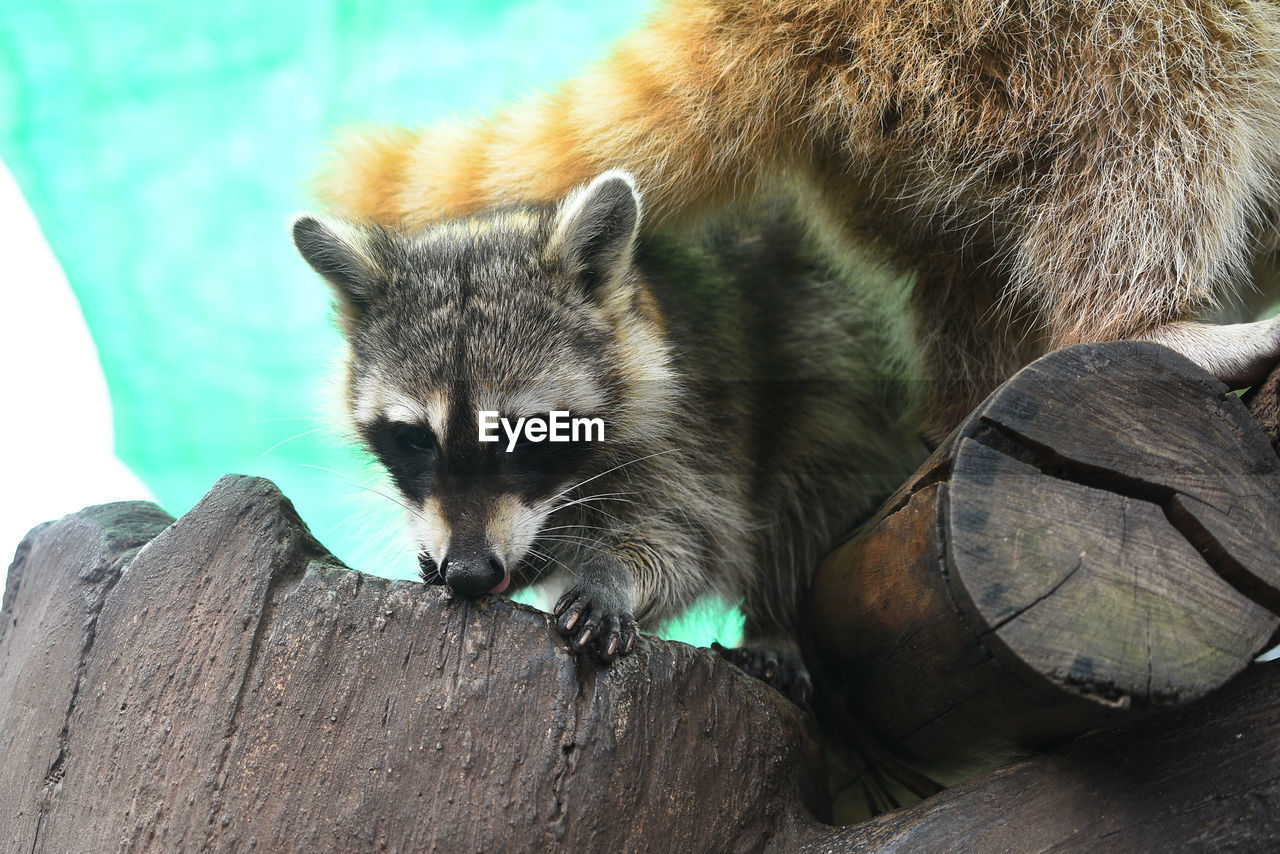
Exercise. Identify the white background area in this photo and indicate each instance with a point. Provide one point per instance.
(56, 442)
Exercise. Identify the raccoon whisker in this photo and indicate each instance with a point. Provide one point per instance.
(600, 510)
(588, 499)
(594, 545)
(290, 439)
(533, 513)
(608, 496)
(620, 465)
(585, 502)
(580, 502)
(569, 527)
(435, 573)
(576, 557)
(539, 553)
(351, 482)
(542, 535)
(603, 495)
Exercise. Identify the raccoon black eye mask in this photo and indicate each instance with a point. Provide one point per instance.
(738, 391)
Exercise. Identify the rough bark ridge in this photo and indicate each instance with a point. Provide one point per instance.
(237, 688)
(48, 630)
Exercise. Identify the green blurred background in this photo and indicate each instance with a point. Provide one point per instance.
(163, 147)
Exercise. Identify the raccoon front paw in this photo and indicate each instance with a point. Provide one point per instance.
(594, 617)
(783, 670)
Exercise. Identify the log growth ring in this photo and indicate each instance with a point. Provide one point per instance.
(1119, 495)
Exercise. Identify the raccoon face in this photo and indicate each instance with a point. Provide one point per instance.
(515, 314)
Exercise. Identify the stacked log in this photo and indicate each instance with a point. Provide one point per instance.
(1099, 540)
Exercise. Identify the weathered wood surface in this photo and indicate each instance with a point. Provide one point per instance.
(1100, 539)
(46, 633)
(1202, 778)
(1263, 401)
(237, 689)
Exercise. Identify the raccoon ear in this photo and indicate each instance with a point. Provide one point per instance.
(340, 252)
(596, 227)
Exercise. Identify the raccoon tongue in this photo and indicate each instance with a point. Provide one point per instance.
(502, 585)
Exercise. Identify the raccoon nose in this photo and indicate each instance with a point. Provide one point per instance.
(475, 575)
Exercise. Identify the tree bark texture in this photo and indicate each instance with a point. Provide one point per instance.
(237, 689)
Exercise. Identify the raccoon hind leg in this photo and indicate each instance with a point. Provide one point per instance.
(778, 665)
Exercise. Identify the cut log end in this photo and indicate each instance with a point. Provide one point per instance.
(1095, 542)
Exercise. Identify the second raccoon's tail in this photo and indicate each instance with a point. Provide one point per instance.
(694, 104)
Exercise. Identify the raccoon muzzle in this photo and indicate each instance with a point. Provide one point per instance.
(474, 574)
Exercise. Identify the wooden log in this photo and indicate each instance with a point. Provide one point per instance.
(1098, 540)
(238, 689)
(47, 628)
(1263, 401)
(1202, 778)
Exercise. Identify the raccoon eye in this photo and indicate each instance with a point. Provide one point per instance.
(416, 438)
(548, 458)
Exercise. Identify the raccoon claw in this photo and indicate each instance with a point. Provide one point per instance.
(784, 671)
(607, 632)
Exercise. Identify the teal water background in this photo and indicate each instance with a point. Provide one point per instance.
(163, 147)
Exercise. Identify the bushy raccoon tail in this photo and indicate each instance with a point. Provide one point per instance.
(693, 105)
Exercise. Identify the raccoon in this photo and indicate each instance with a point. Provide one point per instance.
(752, 406)
(1051, 172)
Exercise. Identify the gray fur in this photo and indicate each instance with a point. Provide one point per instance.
(756, 407)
